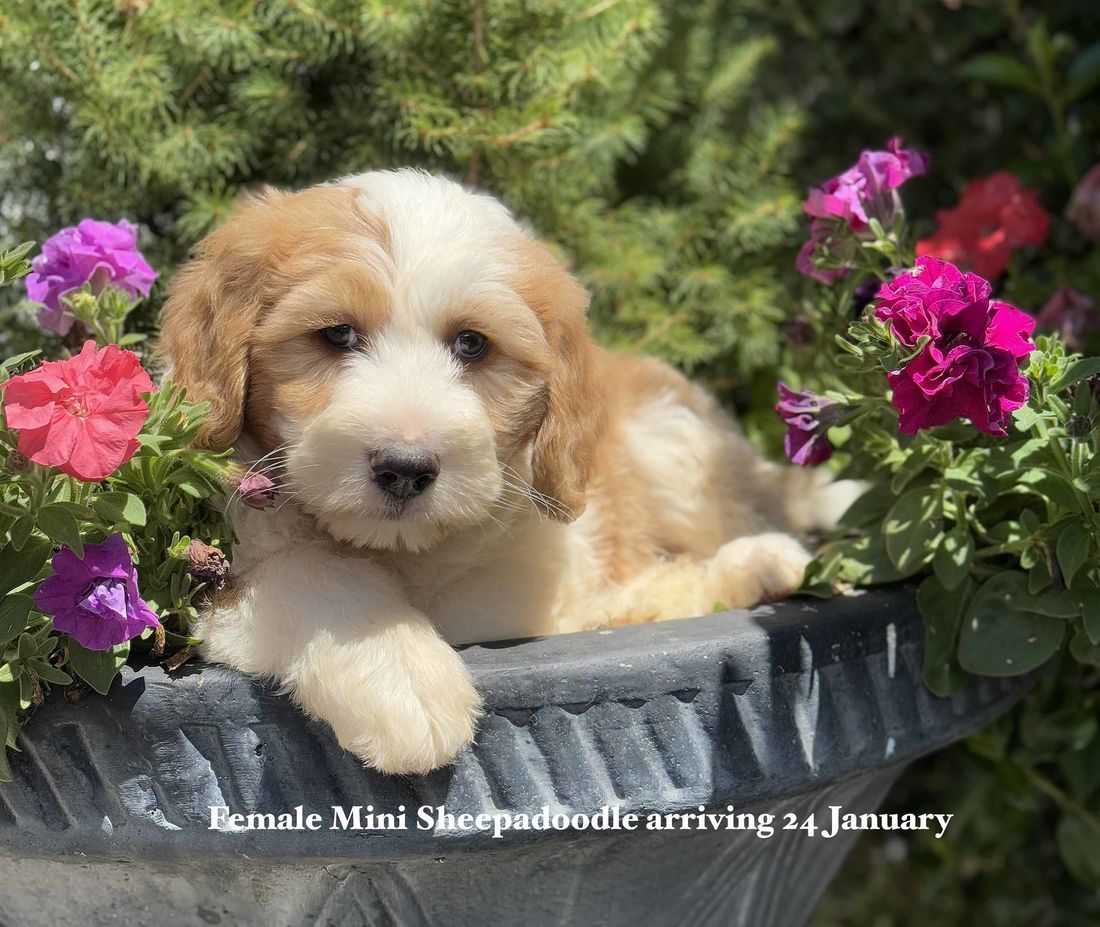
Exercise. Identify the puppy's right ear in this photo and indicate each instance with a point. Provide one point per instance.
(206, 325)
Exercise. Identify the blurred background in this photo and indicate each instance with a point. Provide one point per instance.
(665, 147)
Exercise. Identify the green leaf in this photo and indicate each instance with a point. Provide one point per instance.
(942, 610)
(1064, 604)
(910, 525)
(26, 647)
(120, 507)
(1025, 418)
(998, 638)
(917, 459)
(1083, 650)
(14, 611)
(154, 442)
(21, 531)
(95, 667)
(1051, 486)
(1075, 373)
(860, 561)
(12, 363)
(1073, 550)
(59, 525)
(50, 673)
(1083, 73)
(1078, 839)
(192, 484)
(1038, 577)
(1090, 614)
(1001, 69)
(952, 559)
(9, 725)
(23, 566)
(870, 507)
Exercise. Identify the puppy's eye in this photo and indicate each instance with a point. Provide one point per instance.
(470, 345)
(341, 336)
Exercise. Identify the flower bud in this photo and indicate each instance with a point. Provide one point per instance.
(18, 463)
(1078, 427)
(1070, 314)
(1084, 206)
(207, 564)
(257, 490)
(799, 331)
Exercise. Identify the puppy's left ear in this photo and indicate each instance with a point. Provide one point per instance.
(566, 440)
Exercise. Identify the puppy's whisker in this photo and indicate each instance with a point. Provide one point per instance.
(514, 481)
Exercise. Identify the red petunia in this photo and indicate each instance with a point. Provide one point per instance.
(995, 215)
(80, 415)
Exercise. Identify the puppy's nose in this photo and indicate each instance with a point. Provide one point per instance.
(404, 472)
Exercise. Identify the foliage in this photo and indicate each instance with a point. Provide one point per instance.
(631, 133)
(158, 499)
(1004, 533)
(656, 143)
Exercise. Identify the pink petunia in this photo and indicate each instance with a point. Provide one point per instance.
(81, 415)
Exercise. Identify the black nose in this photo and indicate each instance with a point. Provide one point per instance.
(404, 472)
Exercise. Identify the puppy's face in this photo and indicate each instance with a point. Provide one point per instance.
(407, 355)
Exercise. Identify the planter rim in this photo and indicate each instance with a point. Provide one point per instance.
(737, 708)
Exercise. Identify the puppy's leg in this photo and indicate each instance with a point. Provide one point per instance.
(744, 572)
(338, 634)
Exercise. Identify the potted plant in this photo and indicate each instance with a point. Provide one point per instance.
(725, 746)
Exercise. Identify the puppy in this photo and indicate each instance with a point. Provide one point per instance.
(457, 460)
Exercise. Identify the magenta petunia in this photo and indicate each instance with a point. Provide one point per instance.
(102, 253)
(866, 190)
(933, 299)
(95, 599)
(806, 442)
(982, 384)
(969, 366)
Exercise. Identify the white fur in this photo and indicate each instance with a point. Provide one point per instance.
(352, 610)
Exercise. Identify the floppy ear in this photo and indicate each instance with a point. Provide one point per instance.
(213, 305)
(566, 440)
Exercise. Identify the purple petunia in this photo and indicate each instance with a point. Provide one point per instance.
(806, 441)
(969, 366)
(102, 253)
(866, 190)
(847, 203)
(95, 600)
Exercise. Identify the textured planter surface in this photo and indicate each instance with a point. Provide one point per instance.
(787, 708)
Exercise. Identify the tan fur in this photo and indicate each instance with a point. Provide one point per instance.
(566, 440)
(210, 317)
(586, 488)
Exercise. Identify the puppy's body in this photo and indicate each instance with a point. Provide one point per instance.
(438, 491)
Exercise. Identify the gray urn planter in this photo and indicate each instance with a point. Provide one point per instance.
(784, 709)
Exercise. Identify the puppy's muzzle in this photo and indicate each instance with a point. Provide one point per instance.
(404, 472)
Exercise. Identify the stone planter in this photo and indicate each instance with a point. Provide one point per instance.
(783, 710)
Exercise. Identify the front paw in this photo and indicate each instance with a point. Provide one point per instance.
(409, 707)
(416, 732)
(759, 568)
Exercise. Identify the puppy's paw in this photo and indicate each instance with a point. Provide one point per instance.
(415, 734)
(421, 709)
(403, 702)
(759, 568)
